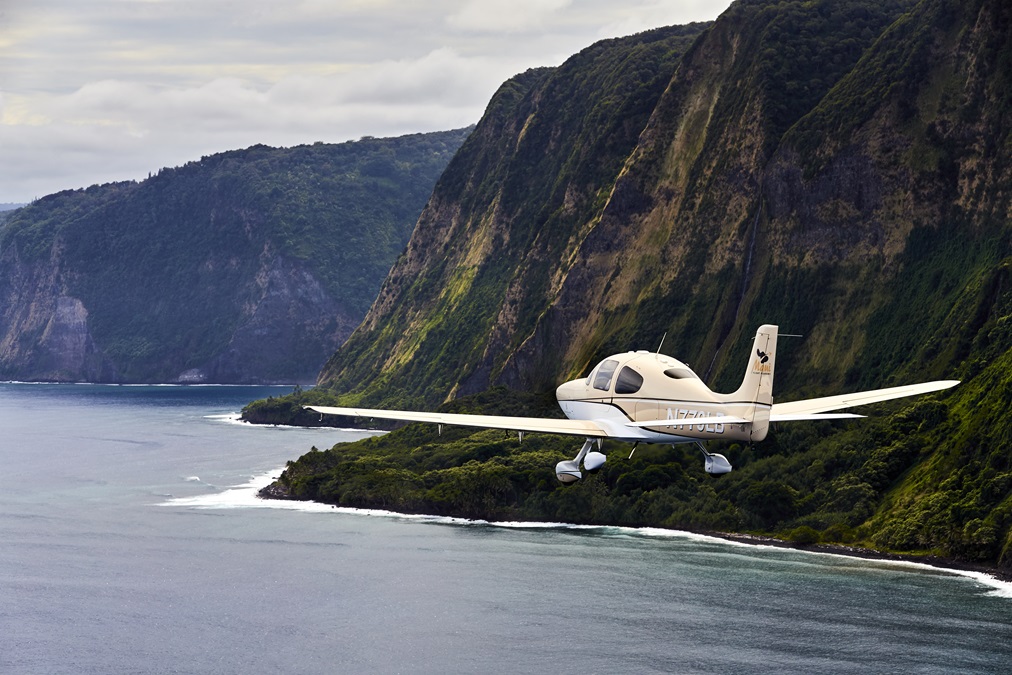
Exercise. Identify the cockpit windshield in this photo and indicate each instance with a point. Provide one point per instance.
(604, 374)
(629, 381)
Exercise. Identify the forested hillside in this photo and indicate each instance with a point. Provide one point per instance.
(838, 167)
(246, 266)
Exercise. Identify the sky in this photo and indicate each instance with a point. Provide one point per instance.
(95, 91)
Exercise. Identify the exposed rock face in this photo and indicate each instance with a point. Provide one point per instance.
(284, 334)
(66, 335)
(42, 328)
(506, 222)
(280, 333)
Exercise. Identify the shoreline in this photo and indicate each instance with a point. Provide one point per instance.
(275, 491)
(941, 562)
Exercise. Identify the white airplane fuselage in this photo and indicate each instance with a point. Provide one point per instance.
(652, 398)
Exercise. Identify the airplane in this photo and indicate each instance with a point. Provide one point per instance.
(643, 397)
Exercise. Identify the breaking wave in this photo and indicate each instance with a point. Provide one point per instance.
(246, 496)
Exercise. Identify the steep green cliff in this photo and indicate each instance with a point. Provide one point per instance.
(522, 192)
(840, 168)
(604, 216)
(247, 266)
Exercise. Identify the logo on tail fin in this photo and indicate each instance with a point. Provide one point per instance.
(761, 364)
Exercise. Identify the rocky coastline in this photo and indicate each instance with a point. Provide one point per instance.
(278, 491)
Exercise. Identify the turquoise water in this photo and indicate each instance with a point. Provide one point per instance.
(132, 542)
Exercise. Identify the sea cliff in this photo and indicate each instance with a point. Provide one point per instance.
(839, 168)
(246, 266)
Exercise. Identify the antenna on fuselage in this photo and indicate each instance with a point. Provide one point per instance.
(663, 338)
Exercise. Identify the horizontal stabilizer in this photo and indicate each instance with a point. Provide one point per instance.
(819, 405)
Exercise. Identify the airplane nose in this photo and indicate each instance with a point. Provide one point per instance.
(569, 391)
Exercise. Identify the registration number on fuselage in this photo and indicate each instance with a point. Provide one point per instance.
(702, 420)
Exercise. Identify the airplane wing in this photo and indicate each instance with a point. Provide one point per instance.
(813, 407)
(547, 425)
(810, 409)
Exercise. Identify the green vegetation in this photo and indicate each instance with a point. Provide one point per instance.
(809, 483)
(171, 268)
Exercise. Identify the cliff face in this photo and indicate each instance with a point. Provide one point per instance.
(511, 209)
(249, 266)
(799, 163)
(47, 331)
(838, 168)
(561, 232)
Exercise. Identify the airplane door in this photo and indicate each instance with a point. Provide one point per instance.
(645, 410)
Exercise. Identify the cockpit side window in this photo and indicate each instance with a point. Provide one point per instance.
(604, 374)
(629, 381)
(680, 374)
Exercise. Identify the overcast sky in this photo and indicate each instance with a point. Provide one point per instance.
(93, 91)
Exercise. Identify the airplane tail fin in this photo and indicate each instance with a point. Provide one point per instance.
(757, 386)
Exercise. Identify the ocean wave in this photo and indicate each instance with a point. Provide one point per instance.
(236, 419)
(246, 496)
(227, 418)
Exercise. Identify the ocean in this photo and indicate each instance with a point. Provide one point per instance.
(131, 541)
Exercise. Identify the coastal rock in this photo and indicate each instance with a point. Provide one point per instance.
(274, 491)
(44, 333)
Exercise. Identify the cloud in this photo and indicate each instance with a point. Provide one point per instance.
(111, 90)
(654, 14)
(496, 16)
(114, 130)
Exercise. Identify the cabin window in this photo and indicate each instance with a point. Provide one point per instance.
(629, 381)
(680, 374)
(604, 373)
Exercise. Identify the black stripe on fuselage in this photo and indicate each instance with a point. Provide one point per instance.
(610, 400)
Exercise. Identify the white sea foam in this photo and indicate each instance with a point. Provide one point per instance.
(236, 418)
(246, 496)
(228, 418)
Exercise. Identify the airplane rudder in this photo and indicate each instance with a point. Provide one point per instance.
(764, 355)
(757, 385)
(765, 349)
